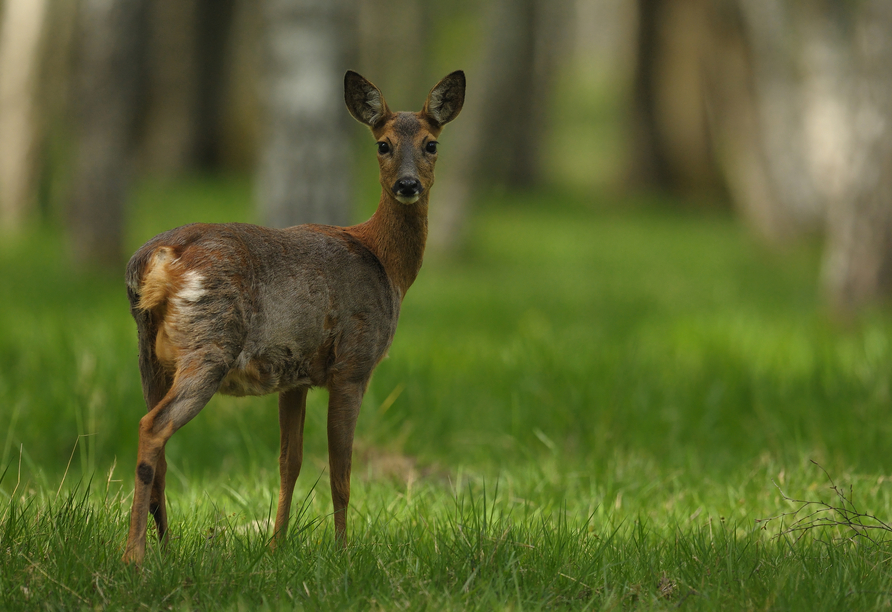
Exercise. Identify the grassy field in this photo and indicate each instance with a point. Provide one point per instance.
(591, 408)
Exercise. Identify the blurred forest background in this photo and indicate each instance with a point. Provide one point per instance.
(780, 109)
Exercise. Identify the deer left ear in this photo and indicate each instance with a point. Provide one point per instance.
(445, 100)
(364, 101)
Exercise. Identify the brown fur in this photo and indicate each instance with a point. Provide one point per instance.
(246, 310)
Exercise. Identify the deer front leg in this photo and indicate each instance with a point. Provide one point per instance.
(292, 409)
(343, 410)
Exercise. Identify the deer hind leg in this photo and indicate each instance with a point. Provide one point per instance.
(157, 503)
(343, 409)
(156, 385)
(292, 409)
(193, 387)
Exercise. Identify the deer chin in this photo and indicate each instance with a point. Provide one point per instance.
(408, 199)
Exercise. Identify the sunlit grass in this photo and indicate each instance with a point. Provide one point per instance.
(538, 538)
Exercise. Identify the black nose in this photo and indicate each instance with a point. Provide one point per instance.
(407, 187)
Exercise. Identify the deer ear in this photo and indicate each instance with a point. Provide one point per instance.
(446, 99)
(364, 101)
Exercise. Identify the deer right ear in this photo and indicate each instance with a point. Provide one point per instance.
(364, 101)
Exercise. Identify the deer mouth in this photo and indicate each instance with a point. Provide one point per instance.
(406, 199)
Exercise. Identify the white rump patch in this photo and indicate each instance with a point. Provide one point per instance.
(192, 289)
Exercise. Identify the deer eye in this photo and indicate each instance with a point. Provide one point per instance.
(383, 148)
(431, 147)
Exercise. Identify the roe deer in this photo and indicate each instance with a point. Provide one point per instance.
(246, 310)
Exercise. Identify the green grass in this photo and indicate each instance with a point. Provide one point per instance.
(589, 409)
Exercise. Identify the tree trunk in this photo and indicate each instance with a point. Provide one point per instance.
(858, 257)
(169, 134)
(672, 146)
(736, 125)
(187, 57)
(396, 64)
(650, 163)
(779, 32)
(213, 60)
(305, 160)
(108, 83)
(501, 140)
(236, 141)
(23, 22)
(816, 141)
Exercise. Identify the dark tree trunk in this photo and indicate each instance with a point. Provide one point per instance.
(671, 143)
(215, 25)
(188, 63)
(650, 162)
(107, 98)
(169, 138)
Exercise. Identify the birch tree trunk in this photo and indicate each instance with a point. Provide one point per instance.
(20, 35)
(779, 34)
(858, 255)
(305, 156)
(815, 145)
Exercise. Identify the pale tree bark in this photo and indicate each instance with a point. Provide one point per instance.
(719, 103)
(501, 141)
(778, 33)
(106, 104)
(810, 143)
(305, 159)
(858, 256)
(737, 121)
(734, 122)
(23, 22)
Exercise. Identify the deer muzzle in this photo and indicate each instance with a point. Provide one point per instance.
(407, 190)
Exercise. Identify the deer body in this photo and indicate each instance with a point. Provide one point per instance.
(324, 303)
(246, 310)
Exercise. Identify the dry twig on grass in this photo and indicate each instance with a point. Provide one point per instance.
(842, 515)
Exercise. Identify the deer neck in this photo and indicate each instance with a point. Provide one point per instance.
(396, 235)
